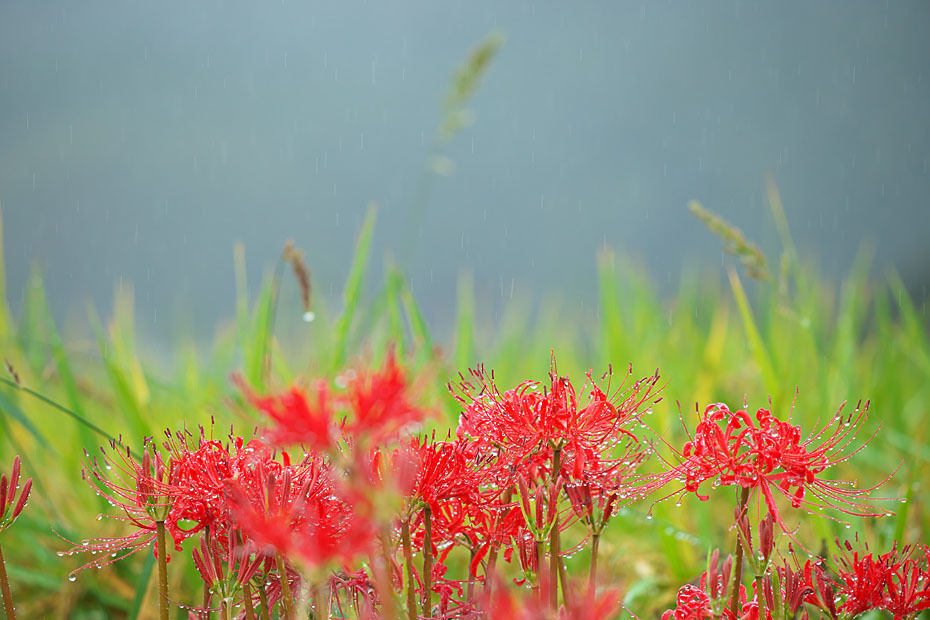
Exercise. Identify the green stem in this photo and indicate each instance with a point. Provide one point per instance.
(738, 555)
(263, 601)
(428, 562)
(162, 570)
(287, 600)
(5, 588)
(408, 572)
(555, 542)
(470, 589)
(225, 604)
(592, 573)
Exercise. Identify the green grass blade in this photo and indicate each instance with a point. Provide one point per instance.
(12, 410)
(465, 324)
(142, 585)
(353, 288)
(756, 346)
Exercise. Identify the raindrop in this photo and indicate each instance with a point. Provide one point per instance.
(309, 315)
(72, 577)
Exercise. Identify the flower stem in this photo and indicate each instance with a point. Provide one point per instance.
(428, 562)
(541, 579)
(247, 601)
(225, 604)
(5, 588)
(408, 573)
(206, 601)
(384, 578)
(492, 555)
(287, 600)
(738, 556)
(760, 595)
(592, 574)
(555, 542)
(162, 570)
(263, 601)
(324, 601)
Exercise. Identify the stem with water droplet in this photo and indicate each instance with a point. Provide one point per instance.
(162, 570)
(5, 588)
(427, 562)
(287, 601)
(738, 555)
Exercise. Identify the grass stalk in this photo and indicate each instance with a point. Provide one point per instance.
(408, 572)
(427, 562)
(287, 599)
(5, 589)
(162, 570)
(738, 557)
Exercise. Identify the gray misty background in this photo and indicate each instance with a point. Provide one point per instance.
(140, 140)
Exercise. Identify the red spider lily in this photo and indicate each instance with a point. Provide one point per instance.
(526, 419)
(379, 402)
(301, 517)
(10, 505)
(707, 600)
(200, 476)
(861, 579)
(382, 403)
(429, 472)
(693, 603)
(766, 454)
(907, 583)
(145, 492)
(297, 418)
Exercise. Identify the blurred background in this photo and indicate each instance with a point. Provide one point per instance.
(140, 141)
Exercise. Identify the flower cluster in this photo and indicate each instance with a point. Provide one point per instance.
(340, 505)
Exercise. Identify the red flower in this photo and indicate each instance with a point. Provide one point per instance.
(527, 421)
(769, 455)
(298, 419)
(144, 492)
(299, 513)
(376, 405)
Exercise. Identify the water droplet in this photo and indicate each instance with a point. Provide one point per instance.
(309, 315)
(72, 577)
